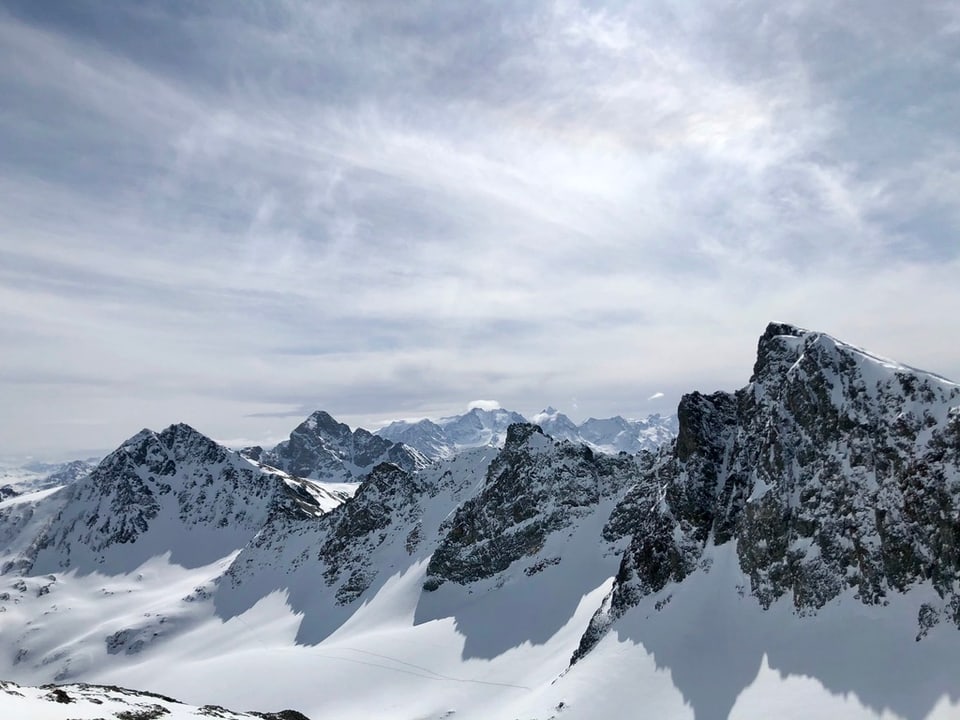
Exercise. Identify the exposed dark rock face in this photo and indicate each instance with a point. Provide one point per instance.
(344, 546)
(389, 496)
(832, 469)
(253, 452)
(533, 488)
(320, 448)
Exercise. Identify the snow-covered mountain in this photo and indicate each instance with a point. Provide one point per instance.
(175, 492)
(41, 476)
(320, 448)
(426, 436)
(794, 550)
(832, 478)
(448, 436)
(472, 517)
(610, 435)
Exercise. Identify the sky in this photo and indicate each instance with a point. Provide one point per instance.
(232, 214)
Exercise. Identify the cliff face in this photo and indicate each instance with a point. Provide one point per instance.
(535, 487)
(833, 469)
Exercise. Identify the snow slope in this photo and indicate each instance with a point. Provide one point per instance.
(706, 651)
(80, 701)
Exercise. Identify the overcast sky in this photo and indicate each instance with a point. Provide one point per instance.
(230, 214)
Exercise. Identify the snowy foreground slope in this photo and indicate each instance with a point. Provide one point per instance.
(80, 701)
(794, 552)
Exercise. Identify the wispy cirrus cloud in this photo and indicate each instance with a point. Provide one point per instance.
(223, 214)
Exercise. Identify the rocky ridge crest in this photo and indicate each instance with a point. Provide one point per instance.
(320, 448)
(832, 470)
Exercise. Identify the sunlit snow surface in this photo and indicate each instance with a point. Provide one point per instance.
(94, 702)
(707, 649)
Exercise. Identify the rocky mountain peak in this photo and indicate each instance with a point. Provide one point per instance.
(161, 451)
(834, 469)
(778, 348)
(137, 439)
(386, 478)
(150, 496)
(321, 448)
(557, 425)
(185, 442)
(534, 487)
(698, 415)
(322, 423)
(518, 435)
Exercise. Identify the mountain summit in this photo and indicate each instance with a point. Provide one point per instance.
(320, 448)
(176, 491)
(835, 471)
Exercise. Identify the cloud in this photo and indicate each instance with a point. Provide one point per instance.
(240, 443)
(233, 217)
(483, 405)
(656, 396)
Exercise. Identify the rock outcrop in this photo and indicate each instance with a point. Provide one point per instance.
(832, 470)
(536, 486)
(320, 448)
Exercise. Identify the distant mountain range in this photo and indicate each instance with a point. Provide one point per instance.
(323, 449)
(446, 437)
(610, 435)
(796, 544)
(41, 476)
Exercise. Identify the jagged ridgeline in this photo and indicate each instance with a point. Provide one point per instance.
(174, 491)
(535, 487)
(320, 448)
(832, 470)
